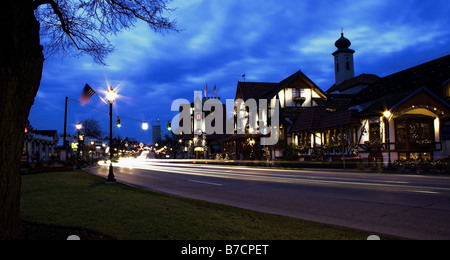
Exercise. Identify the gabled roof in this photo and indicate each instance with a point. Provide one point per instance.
(437, 98)
(363, 79)
(392, 89)
(254, 90)
(265, 90)
(49, 133)
(283, 84)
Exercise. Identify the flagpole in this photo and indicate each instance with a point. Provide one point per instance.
(101, 99)
(65, 127)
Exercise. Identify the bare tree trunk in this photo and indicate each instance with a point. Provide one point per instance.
(21, 64)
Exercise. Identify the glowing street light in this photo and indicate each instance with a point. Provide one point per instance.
(145, 126)
(111, 96)
(387, 114)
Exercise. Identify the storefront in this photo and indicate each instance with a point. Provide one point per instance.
(409, 130)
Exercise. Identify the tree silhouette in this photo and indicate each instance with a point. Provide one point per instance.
(92, 128)
(71, 27)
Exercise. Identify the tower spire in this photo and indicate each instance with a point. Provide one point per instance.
(343, 59)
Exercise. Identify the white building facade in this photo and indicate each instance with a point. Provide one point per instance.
(40, 145)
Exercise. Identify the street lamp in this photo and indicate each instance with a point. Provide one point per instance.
(79, 126)
(111, 95)
(145, 126)
(387, 115)
(92, 143)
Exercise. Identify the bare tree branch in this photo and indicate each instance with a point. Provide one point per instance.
(74, 26)
(61, 17)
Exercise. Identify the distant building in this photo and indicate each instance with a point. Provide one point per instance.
(40, 145)
(198, 144)
(156, 130)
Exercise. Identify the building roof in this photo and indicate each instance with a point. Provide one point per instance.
(50, 133)
(390, 90)
(343, 43)
(363, 79)
(265, 90)
(299, 74)
(255, 90)
(44, 136)
(425, 90)
(309, 119)
(318, 118)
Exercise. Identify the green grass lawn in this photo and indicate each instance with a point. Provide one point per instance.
(78, 199)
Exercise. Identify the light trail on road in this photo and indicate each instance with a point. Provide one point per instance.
(416, 184)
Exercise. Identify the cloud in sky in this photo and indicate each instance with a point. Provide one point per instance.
(221, 40)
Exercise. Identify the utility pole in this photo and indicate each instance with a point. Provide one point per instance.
(65, 126)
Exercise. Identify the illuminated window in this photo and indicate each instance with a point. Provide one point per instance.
(414, 133)
(415, 156)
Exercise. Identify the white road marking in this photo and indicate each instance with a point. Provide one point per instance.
(426, 192)
(208, 183)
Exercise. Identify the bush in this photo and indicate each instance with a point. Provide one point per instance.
(420, 165)
(291, 153)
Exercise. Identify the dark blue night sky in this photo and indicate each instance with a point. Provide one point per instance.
(222, 40)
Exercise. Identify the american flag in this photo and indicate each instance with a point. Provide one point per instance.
(86, 95)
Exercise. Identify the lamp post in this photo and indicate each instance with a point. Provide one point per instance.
(79, 126)
(111, 96)
(92, 143)
(387, 115)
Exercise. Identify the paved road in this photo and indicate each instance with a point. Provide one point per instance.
(407, 206)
